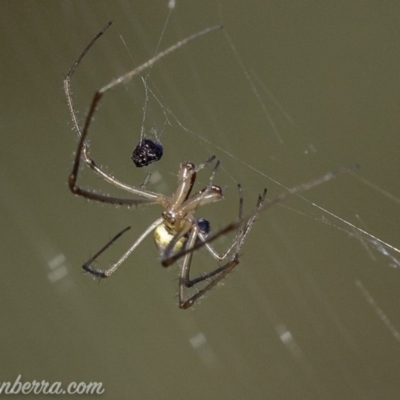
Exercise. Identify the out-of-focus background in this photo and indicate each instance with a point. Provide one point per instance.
(288, 92)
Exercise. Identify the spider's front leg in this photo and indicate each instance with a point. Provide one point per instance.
(83, 147)
(82, 153)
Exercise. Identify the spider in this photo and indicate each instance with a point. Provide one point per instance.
(177, 233)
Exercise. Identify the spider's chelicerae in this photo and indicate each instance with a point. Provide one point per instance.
(177, 233)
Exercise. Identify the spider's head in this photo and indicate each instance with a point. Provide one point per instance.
(171, 220)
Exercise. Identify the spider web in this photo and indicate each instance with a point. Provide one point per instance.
(267, 104)
(271, 148)
(158, 116)
(214, 98)
(287, 93)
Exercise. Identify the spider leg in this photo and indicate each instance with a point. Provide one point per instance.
(97, 272)
(83, 153)
(83, 147)
(211, 250)
(149, 63)
(221, 272)
(146, 181)
(108, 272)
(186, 282)
(296, 190)
(243, 230)
(67, 80)
(242, 225)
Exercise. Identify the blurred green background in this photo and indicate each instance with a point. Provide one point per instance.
(312, 310)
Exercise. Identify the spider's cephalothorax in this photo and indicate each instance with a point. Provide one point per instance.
(178, 234)
(178, 216)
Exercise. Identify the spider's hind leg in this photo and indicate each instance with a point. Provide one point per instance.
(218, 274)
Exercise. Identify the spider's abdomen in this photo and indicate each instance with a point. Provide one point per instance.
(163, 237)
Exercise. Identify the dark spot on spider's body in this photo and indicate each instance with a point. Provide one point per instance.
(204, 226)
